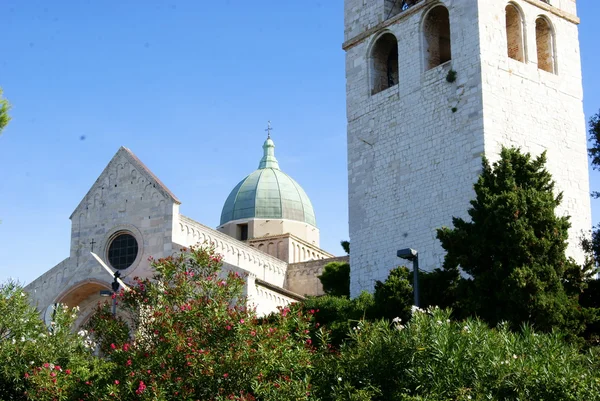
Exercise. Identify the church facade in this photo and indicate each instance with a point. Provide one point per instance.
(268, 232)
(431, 87)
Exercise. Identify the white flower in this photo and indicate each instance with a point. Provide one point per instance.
(339, 379)
(514, 356)
(414, 309)
(439, 322)
(396, 320)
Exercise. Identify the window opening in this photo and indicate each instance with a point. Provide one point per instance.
(243, 232)
(437, 37)
(395, 7)
(384, 61)
(514, 33)
(122, 251)
(544, 39)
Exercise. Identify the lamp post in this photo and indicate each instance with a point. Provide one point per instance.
(115, 288)
(413, 256)
(117, 282)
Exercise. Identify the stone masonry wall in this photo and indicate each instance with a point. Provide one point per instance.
(302, 278)
(235, 253)
(414, 149)
(124, 197)
(537, 110)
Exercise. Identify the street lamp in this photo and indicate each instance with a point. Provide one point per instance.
(117, 282)
(115, 288)
(413, 256)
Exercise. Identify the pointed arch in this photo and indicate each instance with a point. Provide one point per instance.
(515, 32)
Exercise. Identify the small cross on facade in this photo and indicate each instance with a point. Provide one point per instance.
(269, 129)
(92, 244)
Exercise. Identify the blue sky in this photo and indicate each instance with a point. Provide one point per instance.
(188, 86)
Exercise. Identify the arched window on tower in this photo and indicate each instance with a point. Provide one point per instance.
(544, 40)
(384, 63)
(436, 30)
(514, 33)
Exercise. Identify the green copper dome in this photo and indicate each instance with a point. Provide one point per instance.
(268, 193)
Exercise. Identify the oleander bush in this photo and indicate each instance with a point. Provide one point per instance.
(40, 362)
(432, 357)
(186, 334)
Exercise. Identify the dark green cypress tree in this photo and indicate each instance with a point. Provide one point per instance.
(513, 249)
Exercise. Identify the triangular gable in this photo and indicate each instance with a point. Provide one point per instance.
(124, 153)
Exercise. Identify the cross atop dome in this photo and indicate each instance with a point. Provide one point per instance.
(269, 129)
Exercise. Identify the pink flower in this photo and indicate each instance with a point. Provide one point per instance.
(116, 382)
(226, 375)
(242, 321)
(125, 347)
(228, 327)
(27, 375)
(112, 346)
(141, 388)
(253, 333)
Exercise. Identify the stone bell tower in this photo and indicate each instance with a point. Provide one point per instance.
(431, 86)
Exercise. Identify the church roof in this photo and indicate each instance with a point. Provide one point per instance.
(153, 178)
(268, 193)
(124, 153)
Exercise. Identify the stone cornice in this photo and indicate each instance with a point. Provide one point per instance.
(279, 290)
(554, 10)
(416, 8)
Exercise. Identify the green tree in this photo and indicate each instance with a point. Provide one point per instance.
(339, 314)
(394, 296)
(336, 279)
(513, 249)
(34, 355)
(594, 138)
(346, 246)
(440, 288)
(592, 244)
(4, 117)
